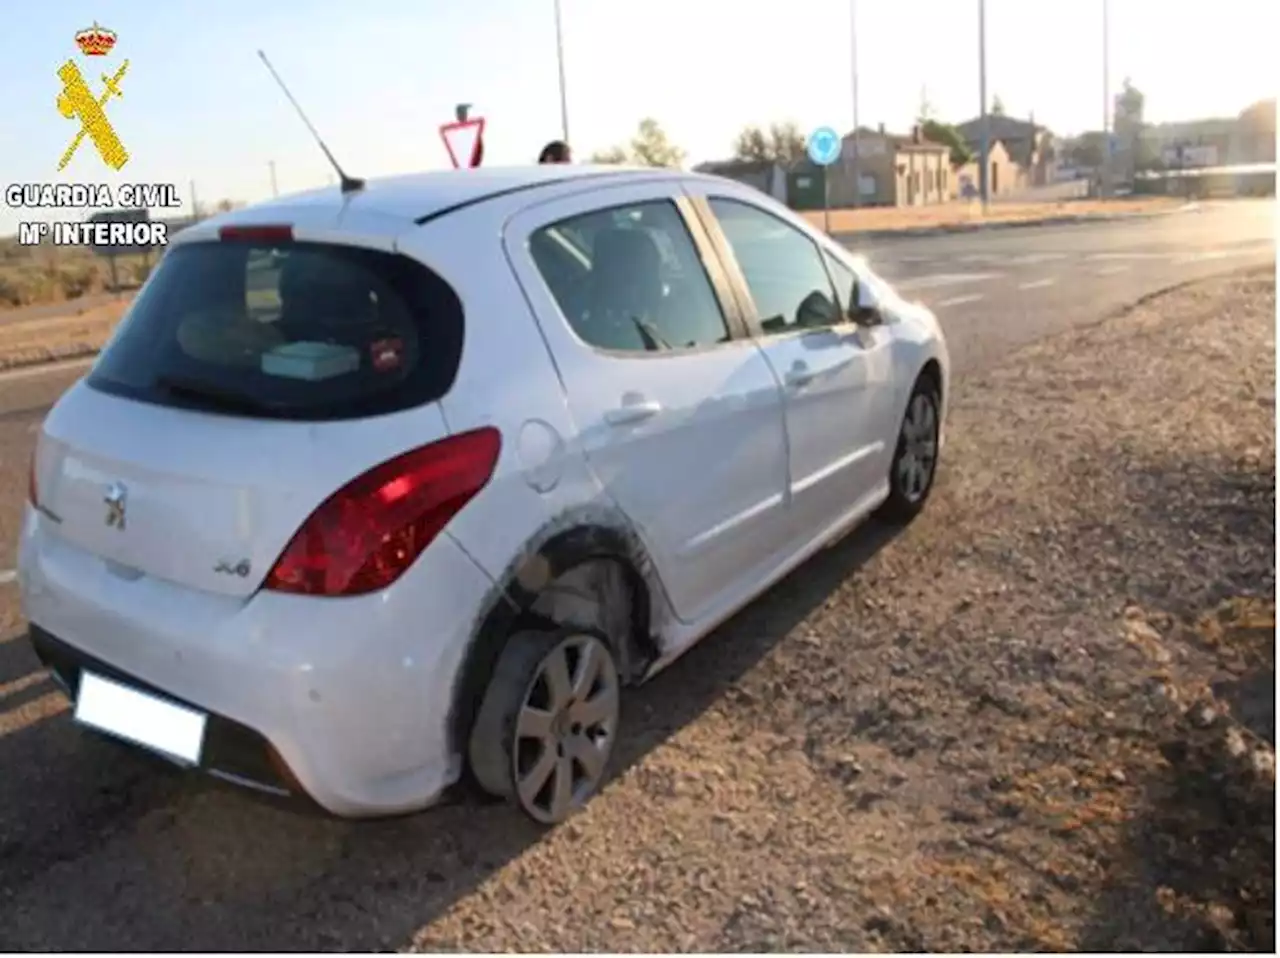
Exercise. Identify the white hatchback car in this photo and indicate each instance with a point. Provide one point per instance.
(373, 490)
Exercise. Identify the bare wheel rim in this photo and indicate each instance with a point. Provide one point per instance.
(919, 448)
(565, 728)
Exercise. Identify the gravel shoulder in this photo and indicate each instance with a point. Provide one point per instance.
(1040, 718)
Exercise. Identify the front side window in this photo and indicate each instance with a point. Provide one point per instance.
(846, 281)
(782, 267)
(849, 280)
(630, 279)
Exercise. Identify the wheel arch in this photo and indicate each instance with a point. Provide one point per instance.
(564, 577)
(931, 372)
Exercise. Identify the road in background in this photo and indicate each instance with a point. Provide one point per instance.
(997, 289)
(65, 797)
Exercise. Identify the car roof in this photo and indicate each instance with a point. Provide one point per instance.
(422, 196)
(383, 207)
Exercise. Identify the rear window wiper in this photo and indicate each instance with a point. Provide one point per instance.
(212, 395)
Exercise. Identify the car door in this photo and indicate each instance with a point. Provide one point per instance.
(824, 361)
(874, 335)
(678, 414)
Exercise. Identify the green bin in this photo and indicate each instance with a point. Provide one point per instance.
(806, 189)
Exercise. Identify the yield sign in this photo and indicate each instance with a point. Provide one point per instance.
(464, 141)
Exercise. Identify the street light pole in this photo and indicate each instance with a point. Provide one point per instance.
(564, 101)
(853, 54)
(984, 173)
(274, 189)
(1105, 179)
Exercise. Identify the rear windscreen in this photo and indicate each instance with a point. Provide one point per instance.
(294, 330)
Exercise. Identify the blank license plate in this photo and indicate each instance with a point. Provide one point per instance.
(172, 730)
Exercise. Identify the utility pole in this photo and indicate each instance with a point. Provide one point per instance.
(1104, 180)
(853, 54)
(564, 100)
(984, 174)
(271, 164)
(195, 207)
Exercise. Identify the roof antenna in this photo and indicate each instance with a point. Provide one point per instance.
(349, 184)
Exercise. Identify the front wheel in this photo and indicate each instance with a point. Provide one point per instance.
(915, 460)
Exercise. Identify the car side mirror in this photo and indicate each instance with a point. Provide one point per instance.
(864, 307)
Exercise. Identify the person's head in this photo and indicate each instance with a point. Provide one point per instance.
(557, 151)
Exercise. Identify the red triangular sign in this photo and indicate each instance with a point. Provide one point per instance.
(464, 141)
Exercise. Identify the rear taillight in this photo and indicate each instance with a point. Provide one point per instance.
(33, 491)
(364, 536)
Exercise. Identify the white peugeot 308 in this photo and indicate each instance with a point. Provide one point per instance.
(373, 489)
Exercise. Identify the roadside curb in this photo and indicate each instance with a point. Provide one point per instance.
(1064, 220)
(46, 357)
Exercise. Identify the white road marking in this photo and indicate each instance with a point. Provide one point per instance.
(1030, 259)
(45, 369)
(978, 258)
(1112, 270)
(1214, 254)
(1121, 256)
(1038, 283)
(958, 300)
(946, 279)
(8, 575)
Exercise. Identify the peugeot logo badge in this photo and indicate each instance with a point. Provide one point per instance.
(115, 502)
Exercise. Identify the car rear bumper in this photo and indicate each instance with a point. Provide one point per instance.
(344, 700)
(232, 751)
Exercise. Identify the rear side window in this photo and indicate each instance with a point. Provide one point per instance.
(629, 279)
(291, 330)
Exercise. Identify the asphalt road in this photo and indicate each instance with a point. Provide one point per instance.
(99, 848)
(998, 289)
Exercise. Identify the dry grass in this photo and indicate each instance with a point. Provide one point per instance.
(31, 276)
(953, 214)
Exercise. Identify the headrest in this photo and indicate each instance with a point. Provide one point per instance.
(626, 269)
(316, 284)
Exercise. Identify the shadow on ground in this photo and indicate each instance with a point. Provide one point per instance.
(1195, 869)
(214, 869)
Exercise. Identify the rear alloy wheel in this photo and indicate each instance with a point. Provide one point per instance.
(546, 729)
(915, 461)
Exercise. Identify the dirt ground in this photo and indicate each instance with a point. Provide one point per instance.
(958, 213)
(80, 333)
(974, 739)
(1040, 718)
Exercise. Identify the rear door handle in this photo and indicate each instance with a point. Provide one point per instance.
(632, 412)
(799, 377)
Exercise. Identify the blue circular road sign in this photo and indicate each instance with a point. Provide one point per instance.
(824, 146)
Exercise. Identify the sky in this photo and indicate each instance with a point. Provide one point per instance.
(378, 77)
